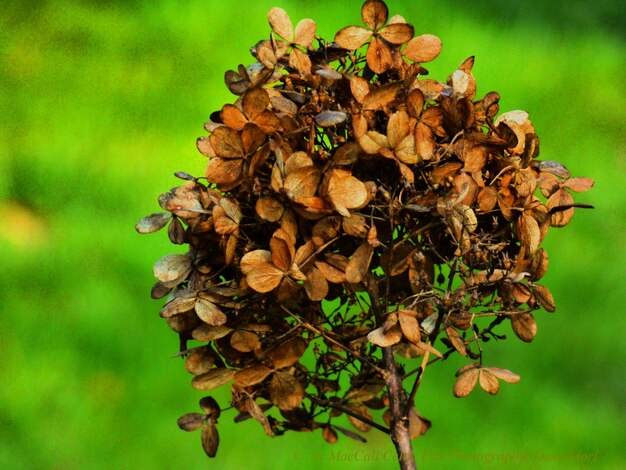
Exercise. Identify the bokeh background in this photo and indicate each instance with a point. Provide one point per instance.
(101, 101)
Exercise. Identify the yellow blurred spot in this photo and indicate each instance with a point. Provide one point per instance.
(21, 226)
(105, 386)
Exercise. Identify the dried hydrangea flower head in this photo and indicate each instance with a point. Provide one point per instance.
(352, 206)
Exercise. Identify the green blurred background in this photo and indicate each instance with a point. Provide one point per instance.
(100, 102)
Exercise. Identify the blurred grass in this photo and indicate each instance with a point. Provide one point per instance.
(101, 102)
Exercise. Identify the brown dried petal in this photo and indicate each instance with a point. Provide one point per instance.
(226, 142)
(207, 333)
(330, 118)
(254, 258)
(210, 439)
(172, 267)
(346, 191)
(329, 435)
(245, 341)
(488, 382)
(264, 277)
(352, 37)
(374, 14)
(288, 353)
(503, 374)
(397, 33)
(579, 185)
(466, 382)
(544, 297)
(153, 222)
(409, 325)
(361, 410)
(212, 379)
(456, 340)
(358, 266)
(305, 32)
(190, 421)
(558, 199)
(524, 326)
(269, 209)
(385, 339)
(199, 361)
(382, 97)
(285, 391)
(379, 57)
(360, 88)
(256, 412)
(281, 23)
(252, 375)
(423, 48)
(209, 313)
(315, 285)
(528, 232)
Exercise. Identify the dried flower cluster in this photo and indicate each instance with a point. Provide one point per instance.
(352, 206)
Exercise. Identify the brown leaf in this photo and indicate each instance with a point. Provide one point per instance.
(423, 48)
(488, 382)
(466, 382)
(524, 326)
(252, 375)
(285, 391)
(210, 439)
(358, 266)
(352, 37)
(152, 223)
(212, 379)
(281, 23)
(245, 341)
